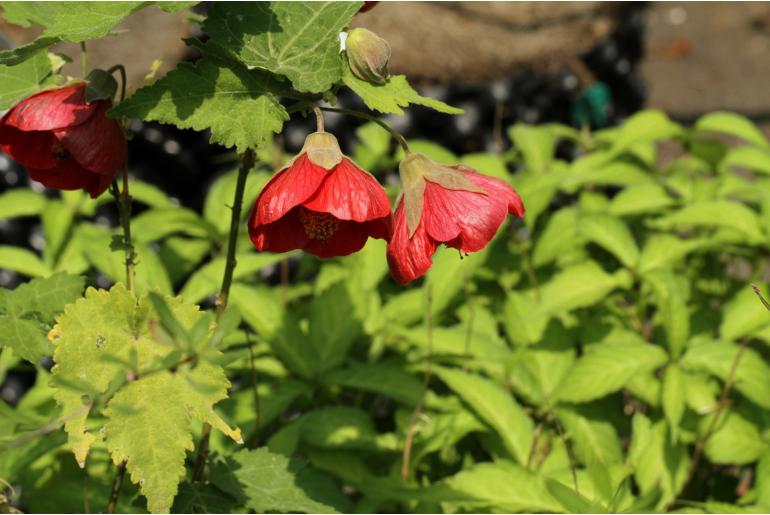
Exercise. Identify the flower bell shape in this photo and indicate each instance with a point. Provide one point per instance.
(368, 55)
(453, 205)
(64, 141)
(320, 202)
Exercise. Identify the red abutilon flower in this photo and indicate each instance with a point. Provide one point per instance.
(453, 205)
(320, 202)
(63, 141)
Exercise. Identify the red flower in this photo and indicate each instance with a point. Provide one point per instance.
(63, 141)
(321, 202)
(456, 206)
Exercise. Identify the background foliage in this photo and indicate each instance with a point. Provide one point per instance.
(606, 353)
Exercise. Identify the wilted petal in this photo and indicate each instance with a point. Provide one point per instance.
(349, 193)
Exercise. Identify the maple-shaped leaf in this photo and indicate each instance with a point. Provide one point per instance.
(27, 313)
(297, 39)
(25, 79)
(393, 96)
(238, 105)
(104, 342)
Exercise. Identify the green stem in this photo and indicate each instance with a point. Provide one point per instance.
(84, 58)
(123, 200)
(115, 491)
(396, 135)
(122, 70)
(247, 163)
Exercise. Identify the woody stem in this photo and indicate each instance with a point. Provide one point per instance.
(319, 119)
(247, 163)
(396, 135)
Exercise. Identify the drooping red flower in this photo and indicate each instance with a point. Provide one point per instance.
(63, 141)
(456, 206)
(320, 202)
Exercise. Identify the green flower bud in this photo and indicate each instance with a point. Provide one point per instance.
(368, 55)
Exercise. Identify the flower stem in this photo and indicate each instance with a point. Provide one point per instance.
(247, 163)
(319, 119)
(122, 70)
(123, 200)
(396, 135)
(84, 58)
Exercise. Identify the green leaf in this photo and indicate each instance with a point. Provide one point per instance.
(649, 125)
(673, 397)
(22, 261)
(715, 214)
(495, 406)
(538, 189)
(600, 169)
(640, 199)
(733, 124)
(491, 486)
(297, 39)
(751, 377)
(267, 482)
(240, 107)
(606, 367)
(742, 315)
(329, 333)
(671, 292)
(23, 80)
(342, 427)
(537, 145)
(63, 21)
(570, 500)
(595, 440)
(149, 428)
(21, 202)
(101, 340)
(747, 157)
(612, 234)
(561, 234)
(662, 250)
(393, 96)
(763, 479)
(156, 224)
(43, 298)
(387, 378)
(208, 279)
(449, 275)
(658, 463)
(735, 441)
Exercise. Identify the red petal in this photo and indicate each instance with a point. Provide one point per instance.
(498, 188)
(409, 258)
(349, 193)
(466, 220)
(98, 144)
(283, 235)
(286, 190)
(67, 176)
(51, 109)
(348, 238)
(31, 149)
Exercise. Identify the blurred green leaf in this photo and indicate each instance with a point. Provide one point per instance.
(732, 124)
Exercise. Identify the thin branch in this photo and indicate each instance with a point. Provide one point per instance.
(412, 428)
(700, 444)
(247, 163)
(84, 58)
(115, 491)
(397, 135)
(570, 456)
(319, 119)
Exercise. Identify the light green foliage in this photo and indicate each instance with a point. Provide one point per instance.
(27, 313)
(238, 106)
(392, 96)
(108, 340)
(297, 39)
(25, 79)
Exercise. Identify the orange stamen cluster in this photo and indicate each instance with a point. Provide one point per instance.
(318, 226)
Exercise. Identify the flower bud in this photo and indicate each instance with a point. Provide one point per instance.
(368, 55)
